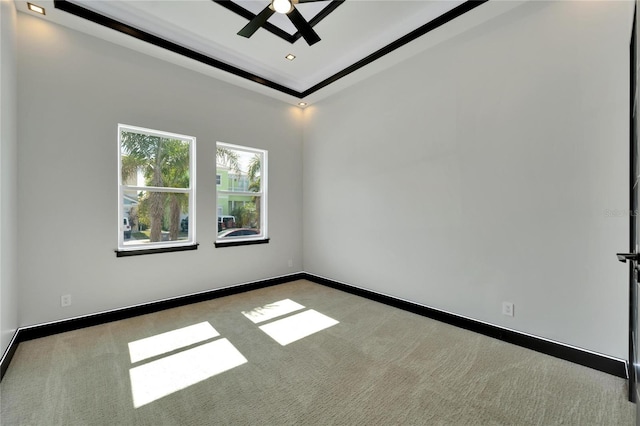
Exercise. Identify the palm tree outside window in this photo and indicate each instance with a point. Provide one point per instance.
(157, 172)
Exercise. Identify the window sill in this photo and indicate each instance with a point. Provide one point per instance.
(236, 243)
(140, 252)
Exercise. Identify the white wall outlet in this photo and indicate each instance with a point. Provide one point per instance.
(65, 300)
(507, 309)
(290, 263)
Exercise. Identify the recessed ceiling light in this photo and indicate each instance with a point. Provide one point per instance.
(302, 104)
(37, 9)
(290, 57)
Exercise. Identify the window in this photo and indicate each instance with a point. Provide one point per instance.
(156, 196)
(217, 179)
(241, 195)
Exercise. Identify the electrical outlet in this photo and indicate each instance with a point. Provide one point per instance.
(65, 300)
(507, 309)
(290, 263)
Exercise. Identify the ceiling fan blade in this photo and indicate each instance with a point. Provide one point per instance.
(303, 27)
(306, 1)
(254, 24)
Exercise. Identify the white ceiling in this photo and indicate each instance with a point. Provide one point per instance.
(354, 30)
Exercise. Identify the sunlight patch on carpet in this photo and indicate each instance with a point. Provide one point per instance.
(272, 310)
(298, 326)
(165, 376)
(170, 341)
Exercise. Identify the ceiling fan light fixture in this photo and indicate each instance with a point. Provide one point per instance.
(305, 29)
(302, 104)
(282, 6)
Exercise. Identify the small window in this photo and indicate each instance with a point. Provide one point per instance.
(156, 174)
(217, 179)
(242, 193)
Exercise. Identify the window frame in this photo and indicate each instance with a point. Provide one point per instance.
(263, 236)
(158, 246)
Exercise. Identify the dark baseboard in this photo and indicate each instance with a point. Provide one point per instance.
(42, 330)
(8, 354)
(558, 350)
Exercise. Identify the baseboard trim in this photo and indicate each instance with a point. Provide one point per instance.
(43, 330)
(583, 357)
(8, 353)
(616, 367)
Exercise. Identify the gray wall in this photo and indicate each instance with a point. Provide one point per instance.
(73, 91)
(477, 172)
(8, 175)
(486, 169)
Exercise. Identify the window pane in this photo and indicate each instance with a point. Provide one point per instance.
(238, 170)
(156, 216)
(240, 193)
(149, 160)
(242, 213)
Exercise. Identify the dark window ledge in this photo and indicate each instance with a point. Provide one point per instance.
(125, 253)
(241, 243)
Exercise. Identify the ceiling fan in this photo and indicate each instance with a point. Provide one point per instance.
(286, 7)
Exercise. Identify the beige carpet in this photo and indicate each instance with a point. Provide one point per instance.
(376, 366)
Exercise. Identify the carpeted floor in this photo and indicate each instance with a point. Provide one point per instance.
(362, 363)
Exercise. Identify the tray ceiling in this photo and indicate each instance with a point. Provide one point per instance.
(355, 35)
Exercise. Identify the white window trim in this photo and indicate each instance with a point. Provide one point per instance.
(264, 219)
(191, 190)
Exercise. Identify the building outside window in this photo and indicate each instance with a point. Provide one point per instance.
(242, 193)
(156, 181)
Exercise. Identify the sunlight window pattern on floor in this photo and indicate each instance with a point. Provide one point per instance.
(170, 341)
(167, 375)
(298, 326)
(290, 328)
(272, 310)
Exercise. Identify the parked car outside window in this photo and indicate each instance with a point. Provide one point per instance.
(238, 232)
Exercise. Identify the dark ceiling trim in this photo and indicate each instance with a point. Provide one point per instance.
(165, 44)
(417, 33)
(97, 18)
(291, 38)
